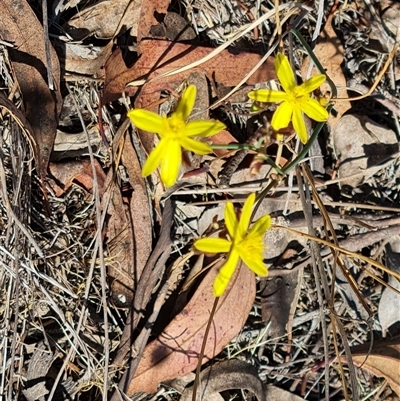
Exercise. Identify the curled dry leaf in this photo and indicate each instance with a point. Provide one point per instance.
(80, 171)
(159, 56)
(147, 18)
(227, 375)
(102, 19)
(382, 361)
(175, 352)
(20, 26)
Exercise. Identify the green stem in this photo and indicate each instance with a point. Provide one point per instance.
(286, 169)
(234, 146)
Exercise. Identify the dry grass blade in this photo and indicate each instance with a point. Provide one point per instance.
(335, 320)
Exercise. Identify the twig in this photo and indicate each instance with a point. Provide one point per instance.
(46, 40)
(10, 212)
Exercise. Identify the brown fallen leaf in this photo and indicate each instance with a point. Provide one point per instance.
(139, 208)
(129, 231)
(120, 245)
(279, 297)
(147, 17)
(368, 145)
(102, 19)
(20, 26)
(175, 352)
(330, 53)
(382, 361)
(80, 171)
(223, 138)
(159, 56)
(83, 59)
(227, 375)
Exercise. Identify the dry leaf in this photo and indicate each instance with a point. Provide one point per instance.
(367, 145)
(120, 246)
(102, 19)
(174, 28)
(84, 59)
(159, 56)
(383, 361)
(278, 394)
(147, 19)
(388, 315)
(80, 171)
(330, 53)
(175, 352)
(139, 208)
(279, 297)
(20, 26)
(223, 138)
(129, 232)
(227, 375)
(67, 146)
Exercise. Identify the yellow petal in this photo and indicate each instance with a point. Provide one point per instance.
(154, 159)
(244, 221)
(231, 221)
(146, 120)
(260, 226)
(225, 273)
(311, 84)
(282, 116)
(171, 162)
(186, 103)
(213, 245)
(299, 124)
(267, 96)
(314, 109)
(194, 146)
(203, 128)
(285, 73)
(254, 263)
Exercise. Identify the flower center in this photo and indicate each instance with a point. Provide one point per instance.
(174, 127)
(251, 245)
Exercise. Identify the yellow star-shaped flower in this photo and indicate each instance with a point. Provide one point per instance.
(244, 244)
(294, 99)
(175, 134)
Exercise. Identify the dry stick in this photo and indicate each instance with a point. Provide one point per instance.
(390, 231)
(10, 212)
(318, 272)
(308, 174)
(203, 347)
(386, 99)
(16, 317)
(150, 275)
(140, 343)
(278, 25)
(99, 245)
(321, 207)
(50, 81)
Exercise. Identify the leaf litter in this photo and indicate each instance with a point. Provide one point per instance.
(74, 332)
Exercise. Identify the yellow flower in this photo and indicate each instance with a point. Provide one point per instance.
(175, 135)
(244, 244)
(294, 99)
